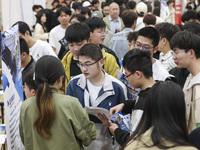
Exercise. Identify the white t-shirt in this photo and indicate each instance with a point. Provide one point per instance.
(94, 92)
(41, 48)
(159, 72)
(56, 34)
(139, 24)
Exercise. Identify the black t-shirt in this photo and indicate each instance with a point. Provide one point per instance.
(74, 69)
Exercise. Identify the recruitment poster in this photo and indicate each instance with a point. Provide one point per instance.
(12, 86)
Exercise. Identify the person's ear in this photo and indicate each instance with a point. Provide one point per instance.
(138, 74)
(33, 92)
(192, 53)
(23, 54)
(155, 49)
(101, 62)
(164, 41)
(27, 33)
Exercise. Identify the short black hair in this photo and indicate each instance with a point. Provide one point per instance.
(36, 7)
(129, 17)
(138, 59)
(28, 79)
(77, 32)
(94, 2)
(91, 50)
(80, 17)
(132, 36)
(170, 1)
(85, 10)
(63, 9)
(166, 30)
(192, 26)
(131, 4)
(186, 40)
(23, 46)
(188, 15)
(95, 23)
(104, 4)
(23, 27)
(76, 5)
(150, 33)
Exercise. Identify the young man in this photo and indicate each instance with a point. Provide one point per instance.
(166, 32)
(29, 85)
(186, 47)
(190, 15)
(77, 35)
(37, 48)
(119, 42)
(27, 61)
(98, 33)
(141, 9)
(94, 87)
(95, 5)
(148, 39)
(138, 68)
(58, 32)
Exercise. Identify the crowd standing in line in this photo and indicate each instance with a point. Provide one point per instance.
(128, 56)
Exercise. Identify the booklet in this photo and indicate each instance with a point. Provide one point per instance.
(122, 121)
(95, 110)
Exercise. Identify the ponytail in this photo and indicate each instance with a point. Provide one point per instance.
(46, 111)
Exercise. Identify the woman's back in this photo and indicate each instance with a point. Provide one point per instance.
(139, 144)
(70, 129)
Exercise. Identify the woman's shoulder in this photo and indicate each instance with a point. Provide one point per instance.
(38, 25)
(28, 103)
(60, 98)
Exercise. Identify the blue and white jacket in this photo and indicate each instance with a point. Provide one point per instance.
(111, 94)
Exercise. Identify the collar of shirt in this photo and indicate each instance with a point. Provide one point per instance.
(166, 56)
(110, 19)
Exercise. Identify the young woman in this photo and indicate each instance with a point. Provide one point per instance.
(40, 28)
(163, 124)
(105, 9)
(50, 120)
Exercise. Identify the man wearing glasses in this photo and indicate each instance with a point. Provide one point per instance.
(94, 87)
(148, 39)
(186, 54)
(138, 68)
(77, 36)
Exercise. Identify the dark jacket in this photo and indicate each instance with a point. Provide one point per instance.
(121, 135)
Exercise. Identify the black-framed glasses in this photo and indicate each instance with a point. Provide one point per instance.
(87, 65)
(143, 46)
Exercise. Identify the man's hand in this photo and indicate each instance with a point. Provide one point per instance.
(106, 122)
(116, 109)
(113, 127)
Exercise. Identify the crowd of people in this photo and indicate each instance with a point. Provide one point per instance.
(127, 57)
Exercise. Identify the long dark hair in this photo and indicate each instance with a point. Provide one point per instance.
(38, 19)
(165, 112)
(48, 70)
